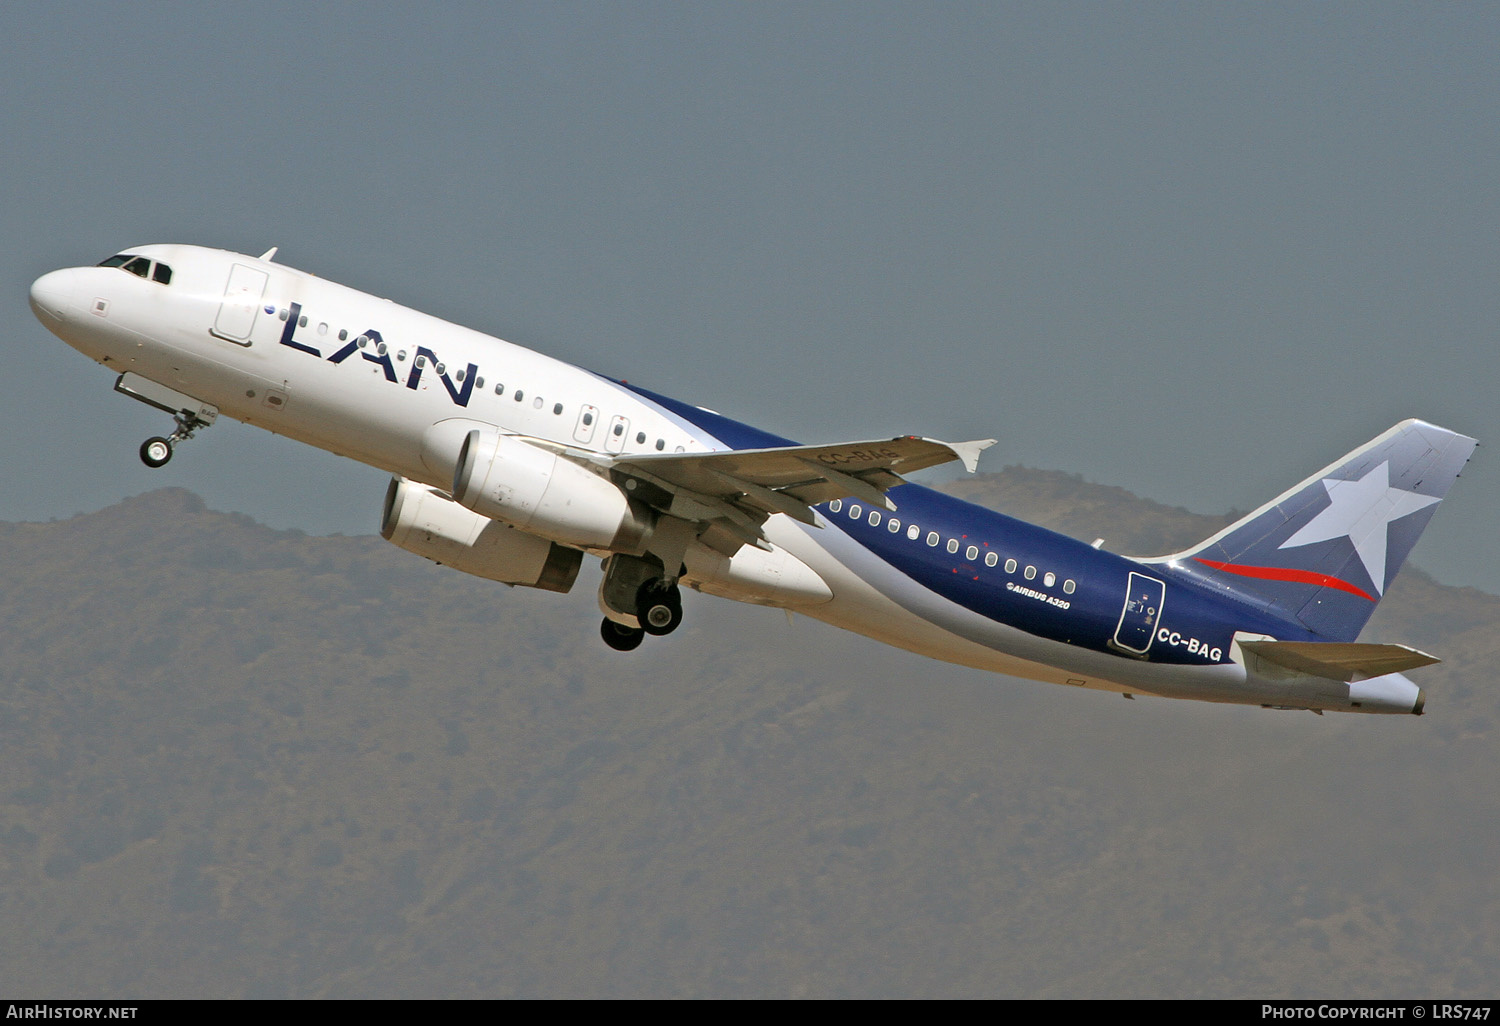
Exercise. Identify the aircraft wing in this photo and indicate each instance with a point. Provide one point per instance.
(740, 488)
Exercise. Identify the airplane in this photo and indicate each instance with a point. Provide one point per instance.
(514, 466)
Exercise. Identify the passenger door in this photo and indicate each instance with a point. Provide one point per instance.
(1142, 612)
(241, 304)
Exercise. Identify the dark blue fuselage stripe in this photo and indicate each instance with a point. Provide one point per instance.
(1087, 617)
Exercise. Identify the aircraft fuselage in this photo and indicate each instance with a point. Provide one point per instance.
(400, 390)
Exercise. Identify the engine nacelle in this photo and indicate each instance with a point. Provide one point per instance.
(420, 520)
(504, 478)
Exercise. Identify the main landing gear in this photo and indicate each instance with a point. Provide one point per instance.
(155, 452)
(635, 588)
(658, 606)
(619, 637)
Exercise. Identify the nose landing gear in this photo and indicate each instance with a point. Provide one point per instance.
(189, 414)
(155, 452)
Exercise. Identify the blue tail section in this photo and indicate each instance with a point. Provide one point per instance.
(1322, 554)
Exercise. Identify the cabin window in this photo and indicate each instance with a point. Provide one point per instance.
(284, 314)
(640, 438)
(322, 327)
(301, 321)
(874, 518)
(932, 538)
(520, 395)
(557, 409)
(1049, 579)
(478, 382)
(854, 512)
(1068, 587)
(419, 362)
(457, 375)
(439, 368)
(991, 558)
(835, 505)
(972, 554)
(661, 443)
(588, 420)
(1010, 566)
(362, 341)
(619, 430)
(1030, 573)
(536, 403)
(343, 334)
(913, 532)
(893, 525)
(380, 349)
(499, 389)
(952, 544)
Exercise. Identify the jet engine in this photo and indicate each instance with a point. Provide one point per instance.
(420, 520)
(504, 478)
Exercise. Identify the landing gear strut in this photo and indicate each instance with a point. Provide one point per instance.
(155, 452)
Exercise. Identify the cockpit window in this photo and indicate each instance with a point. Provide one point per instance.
(140, 266)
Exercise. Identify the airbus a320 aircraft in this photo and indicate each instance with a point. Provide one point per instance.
(513, 466)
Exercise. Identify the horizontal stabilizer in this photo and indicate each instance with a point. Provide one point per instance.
(1340, 660)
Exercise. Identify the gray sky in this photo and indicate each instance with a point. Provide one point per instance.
(1196, 251)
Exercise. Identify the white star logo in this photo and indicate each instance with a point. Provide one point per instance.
(1362, 511)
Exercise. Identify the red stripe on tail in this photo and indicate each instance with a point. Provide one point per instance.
(1276, 573)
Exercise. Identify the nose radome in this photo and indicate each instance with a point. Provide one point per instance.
(50, 295)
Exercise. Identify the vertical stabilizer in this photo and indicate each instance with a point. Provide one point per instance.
(1323, 553)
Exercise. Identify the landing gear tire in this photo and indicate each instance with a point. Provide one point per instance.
(619, 637)
(155, 452)
(659, 609)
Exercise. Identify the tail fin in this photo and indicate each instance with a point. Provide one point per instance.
(1323, 553)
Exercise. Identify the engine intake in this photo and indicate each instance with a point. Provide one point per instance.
(504, 478)
(420, 520)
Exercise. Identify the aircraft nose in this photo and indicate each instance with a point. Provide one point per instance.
(51, 295)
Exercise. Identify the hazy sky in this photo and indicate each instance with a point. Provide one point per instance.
(1198, 251)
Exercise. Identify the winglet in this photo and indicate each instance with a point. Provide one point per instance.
(268, 254)
(969, 452)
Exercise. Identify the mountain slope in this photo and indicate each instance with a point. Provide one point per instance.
(243, 761)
